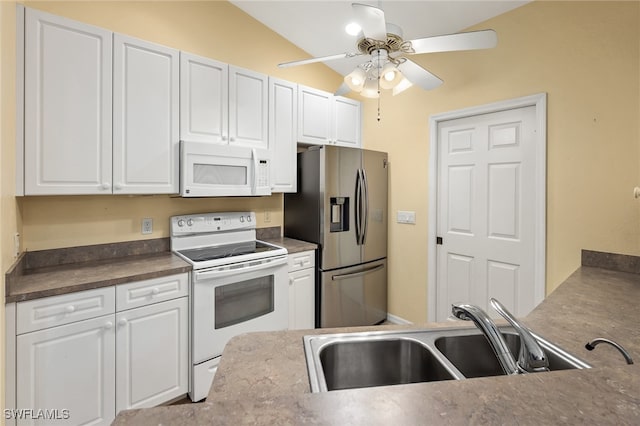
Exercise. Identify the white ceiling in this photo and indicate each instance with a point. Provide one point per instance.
(317, 27)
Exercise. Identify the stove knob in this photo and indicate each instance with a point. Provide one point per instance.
(190, 222)
(181, 222)
(248, 218)
(241, 218)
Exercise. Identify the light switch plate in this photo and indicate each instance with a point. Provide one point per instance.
(406, 217)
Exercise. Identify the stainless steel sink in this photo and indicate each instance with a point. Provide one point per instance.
(379, 362)
(356, 360)
(473, 357)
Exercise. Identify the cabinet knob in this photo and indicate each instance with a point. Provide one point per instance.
(117, 186)
(155, 291)
(70, 309)
(108, 325)
(290, 281)
(232, 139)
(122, 322)
(224, 138)
(106, 185)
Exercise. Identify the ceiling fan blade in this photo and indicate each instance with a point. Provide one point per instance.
(484, 39)
(342, 90)
(418, 75)
(318, 59)
(371, 20)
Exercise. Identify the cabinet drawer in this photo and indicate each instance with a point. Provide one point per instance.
(52, 311)
(141, 293)
(302, 260)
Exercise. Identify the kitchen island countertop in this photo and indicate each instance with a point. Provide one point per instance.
(262, 378)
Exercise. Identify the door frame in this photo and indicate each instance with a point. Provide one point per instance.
(539, 101)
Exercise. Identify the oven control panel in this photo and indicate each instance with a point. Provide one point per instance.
(212, 222)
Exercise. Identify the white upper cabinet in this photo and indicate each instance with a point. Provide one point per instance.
(347, 122)
(145, 117)
(222, 104)
(314, 115)
(283, 110)
(67, 106)
(248, 108)
(204, 99)
(327, 119)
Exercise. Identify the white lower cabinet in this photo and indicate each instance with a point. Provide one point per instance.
(70, 369)
(85, 368)
(152, 354)
(302, 290)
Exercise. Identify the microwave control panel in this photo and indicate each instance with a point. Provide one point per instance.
(263, 173)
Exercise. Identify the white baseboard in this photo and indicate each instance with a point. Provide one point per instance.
(397, 320)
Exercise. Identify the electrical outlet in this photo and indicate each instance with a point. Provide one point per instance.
(147, 225)
(267, 216)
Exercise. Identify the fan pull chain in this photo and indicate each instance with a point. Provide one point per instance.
(378, 85)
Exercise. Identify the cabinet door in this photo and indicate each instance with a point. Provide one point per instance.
(67, 127)
(301, 299)
(152, 363)
(314, 115)
(248, 108)
(346, 114)
(283, 111)
(69, 367)
(145, 117)
(204, 99)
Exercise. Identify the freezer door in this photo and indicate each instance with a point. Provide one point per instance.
(339, 177)
(374, 166)
(354, 296)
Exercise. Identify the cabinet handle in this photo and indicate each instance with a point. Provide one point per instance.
(108, 325)
(70, 309)
(155, 291)
(290, 281)
(122, 322)
(106, 185)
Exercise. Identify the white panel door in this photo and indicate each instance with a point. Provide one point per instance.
(152, 354)
(314, 116)
(486, 217)
(69, 367)
(283, 113)
(346, 118)
(67, 106)
(204, 99)
(248, 108)
(145, 117)
(302, 299)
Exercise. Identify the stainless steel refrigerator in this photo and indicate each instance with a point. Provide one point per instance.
(341, 205)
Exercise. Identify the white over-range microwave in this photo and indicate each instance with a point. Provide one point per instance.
(212, 170)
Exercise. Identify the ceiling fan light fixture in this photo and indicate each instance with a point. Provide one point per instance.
(370, 89)
(402, 85)
(356, 79)
(390, 76)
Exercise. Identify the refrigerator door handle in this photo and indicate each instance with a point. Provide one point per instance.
(365, 222)
(357, 274)
(358, 207)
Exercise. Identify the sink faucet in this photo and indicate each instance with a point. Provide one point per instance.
(531, 357)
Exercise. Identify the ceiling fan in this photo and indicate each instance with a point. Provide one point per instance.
(387, 65)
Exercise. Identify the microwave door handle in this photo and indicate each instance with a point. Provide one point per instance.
(254, 184)
(219, 273)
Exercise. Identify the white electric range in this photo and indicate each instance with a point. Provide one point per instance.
(238, 285)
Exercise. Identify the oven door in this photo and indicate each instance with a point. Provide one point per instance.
(239, 298)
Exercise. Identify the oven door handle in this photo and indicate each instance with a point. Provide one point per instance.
(235, 269)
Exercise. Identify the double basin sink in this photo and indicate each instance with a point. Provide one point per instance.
(357, 360)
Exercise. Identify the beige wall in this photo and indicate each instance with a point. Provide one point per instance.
(585, 55)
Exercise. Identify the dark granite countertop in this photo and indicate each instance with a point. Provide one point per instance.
(262, 378)
(60, 271)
